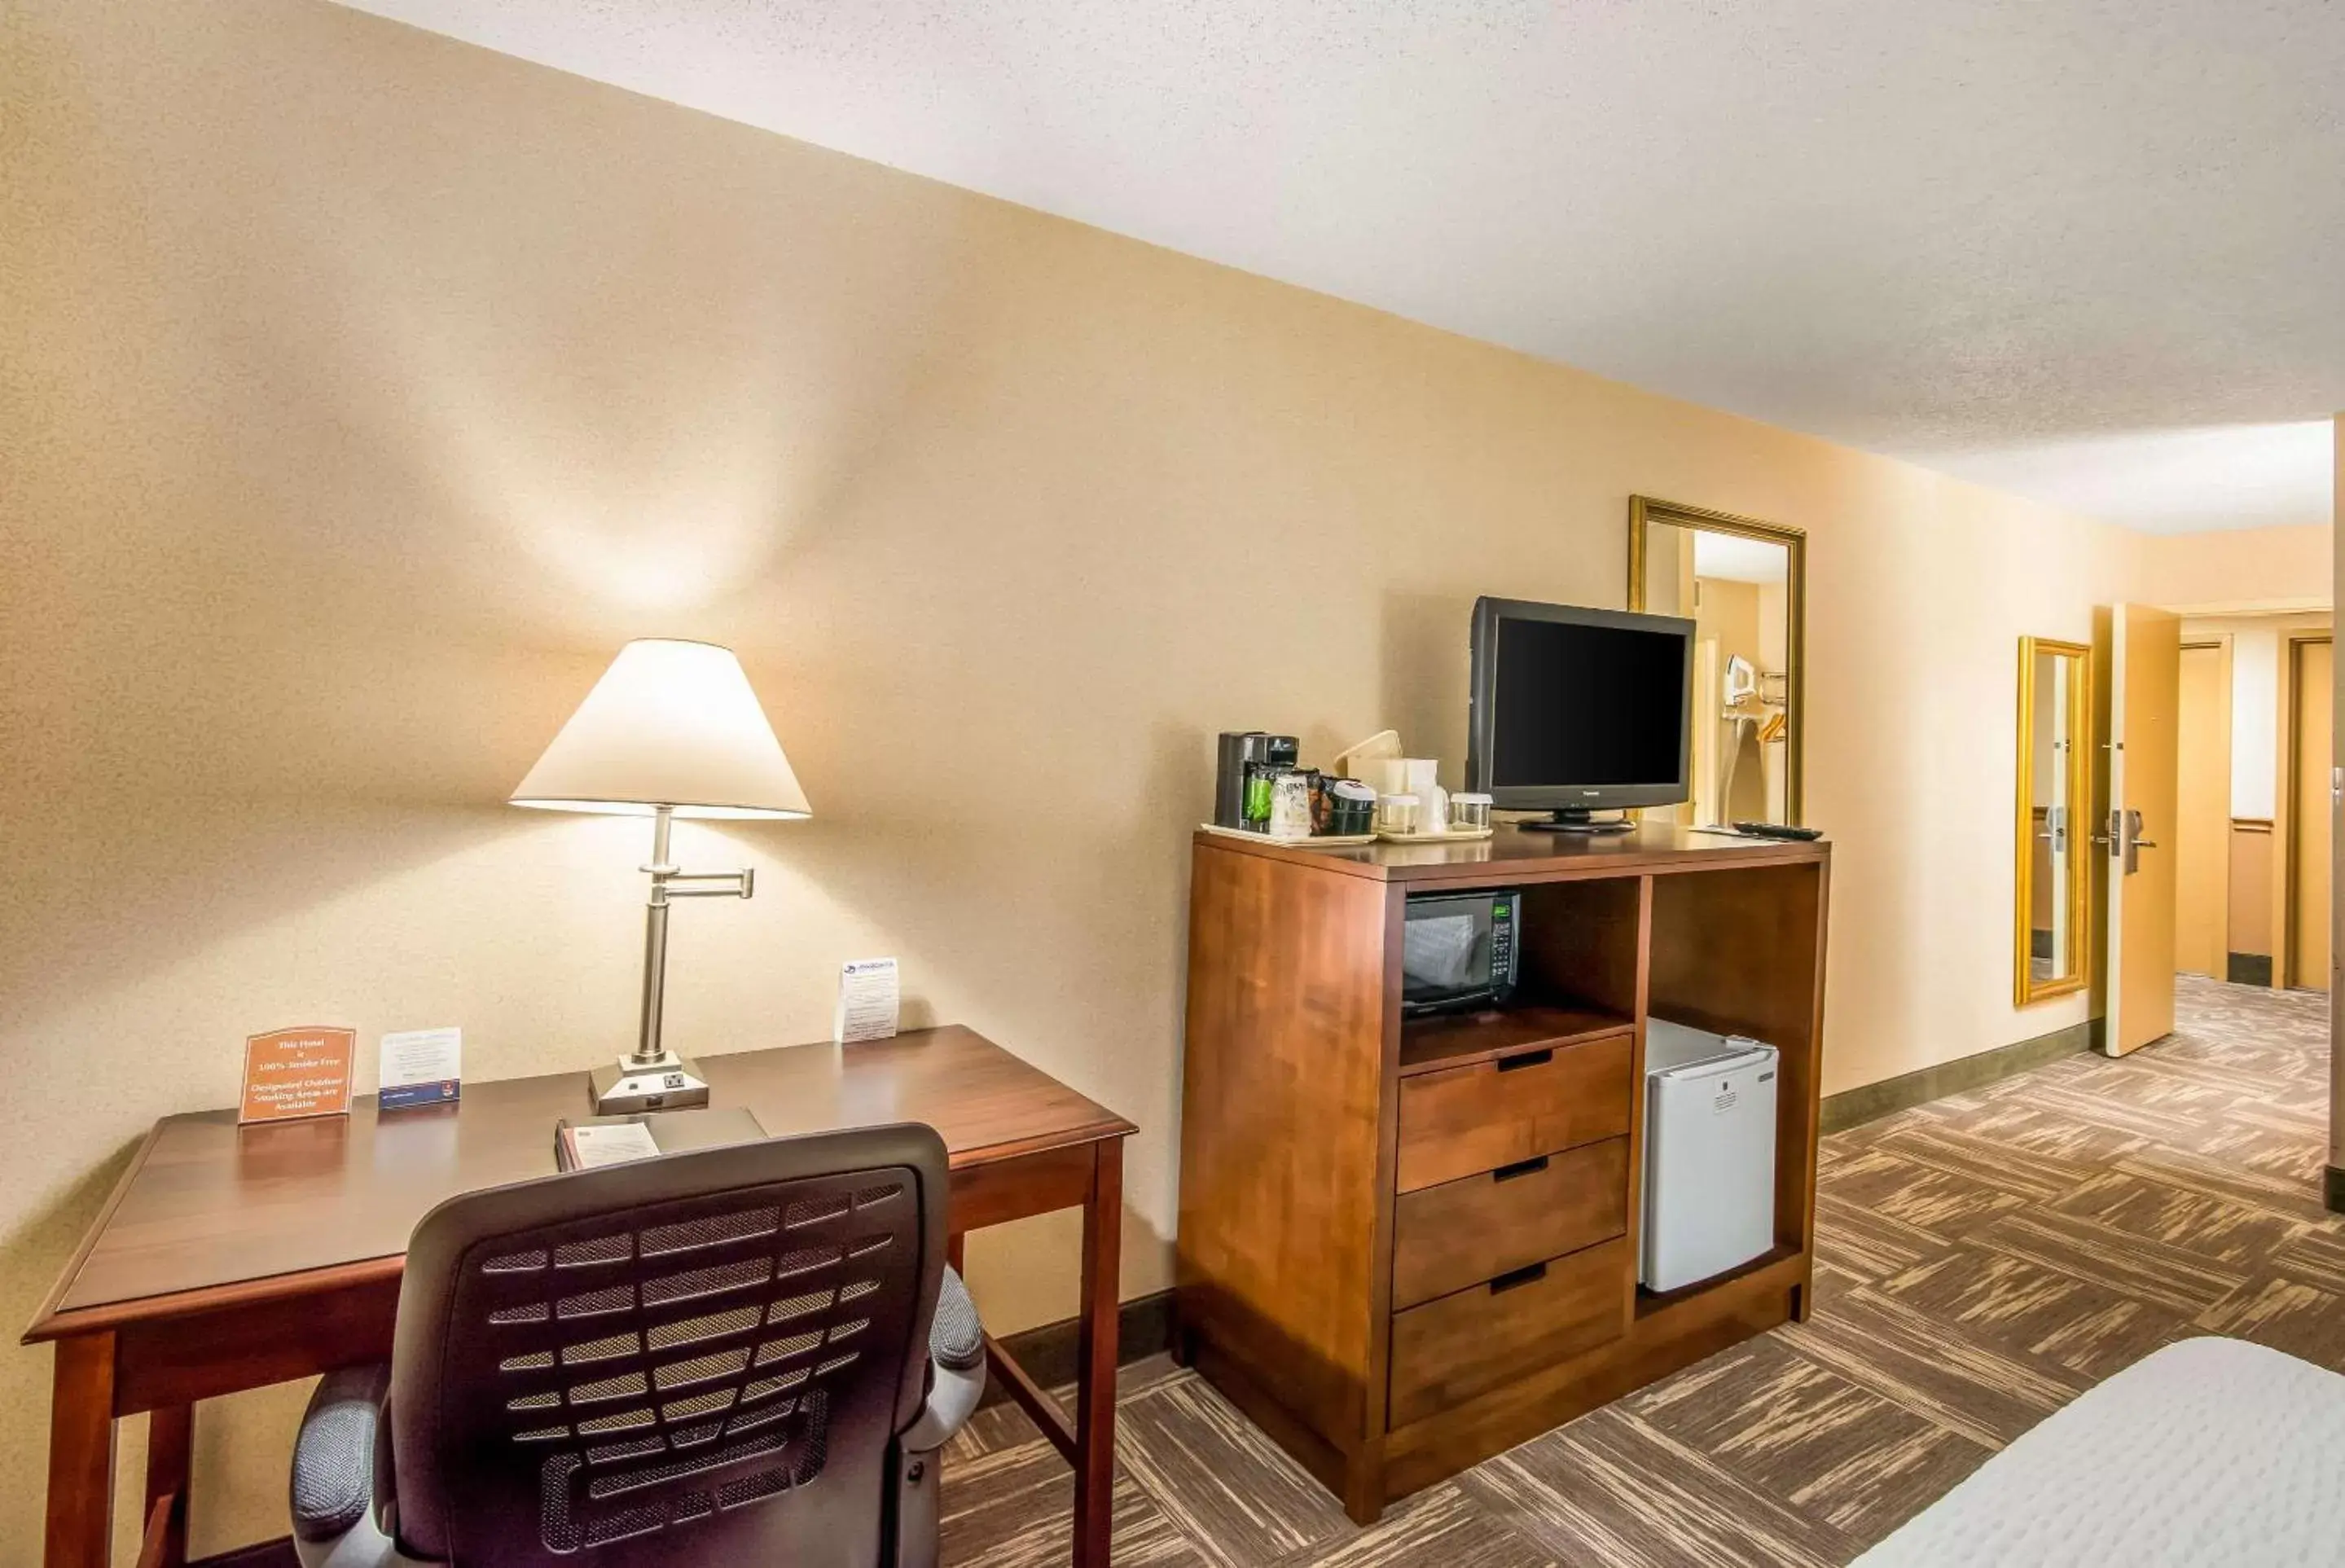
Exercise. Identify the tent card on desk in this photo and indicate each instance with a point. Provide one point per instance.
(421, 1067)
(866, 1001)
(294, 1073)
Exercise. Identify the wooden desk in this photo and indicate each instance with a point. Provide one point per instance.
(229, 1258)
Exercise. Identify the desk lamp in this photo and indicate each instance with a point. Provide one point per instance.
(672, 729)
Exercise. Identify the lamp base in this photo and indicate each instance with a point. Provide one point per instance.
(667, 1082)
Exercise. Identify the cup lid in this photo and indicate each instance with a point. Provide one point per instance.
(1469, 798)
(1400, 800)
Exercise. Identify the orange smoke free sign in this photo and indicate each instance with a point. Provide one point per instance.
(293, 1073)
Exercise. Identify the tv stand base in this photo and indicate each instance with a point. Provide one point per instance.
(1576, 820)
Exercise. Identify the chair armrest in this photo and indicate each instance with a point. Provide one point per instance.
(333, 1459)
(956, 1366)
(955, 1337)
(336, 1514)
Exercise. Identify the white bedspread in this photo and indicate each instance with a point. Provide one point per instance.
(2210, 1452)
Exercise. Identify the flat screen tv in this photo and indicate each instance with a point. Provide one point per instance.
(1575, 710)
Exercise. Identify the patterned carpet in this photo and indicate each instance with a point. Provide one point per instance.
(1983, 1259)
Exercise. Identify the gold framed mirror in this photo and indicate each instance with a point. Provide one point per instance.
(1743, 583)
(2054, 902)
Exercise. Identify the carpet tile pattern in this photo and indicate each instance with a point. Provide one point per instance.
(1983, 1259)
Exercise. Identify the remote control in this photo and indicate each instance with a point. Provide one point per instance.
(1778, 830)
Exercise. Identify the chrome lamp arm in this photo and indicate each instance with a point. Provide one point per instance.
(655, 1079)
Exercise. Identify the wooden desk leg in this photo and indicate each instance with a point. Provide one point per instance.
(1096, 1353)
(170, 1448)
(81, 1454)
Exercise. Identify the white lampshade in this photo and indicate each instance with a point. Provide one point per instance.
(669, 724)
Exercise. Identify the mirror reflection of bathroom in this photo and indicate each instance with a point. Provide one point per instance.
(1741, 591)
(2054, 698)
(2047, 938)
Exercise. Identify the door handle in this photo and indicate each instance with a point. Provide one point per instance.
(2123, 839)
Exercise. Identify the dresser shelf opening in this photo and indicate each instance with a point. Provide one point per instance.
(1649, 1302)
(1434, 1041)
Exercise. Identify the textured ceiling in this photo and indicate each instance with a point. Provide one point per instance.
(1739, 560)
(2093, 250)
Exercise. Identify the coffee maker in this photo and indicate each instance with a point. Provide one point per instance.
(1238, 752)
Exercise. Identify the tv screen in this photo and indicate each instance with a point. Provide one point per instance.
(1586, 705)
(1578, 708)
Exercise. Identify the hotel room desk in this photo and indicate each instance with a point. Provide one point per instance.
(230, 1258)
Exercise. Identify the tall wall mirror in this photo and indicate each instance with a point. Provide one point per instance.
(2056, 721)
(1743, 583)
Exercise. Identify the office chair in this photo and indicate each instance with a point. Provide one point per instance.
(735, 1356)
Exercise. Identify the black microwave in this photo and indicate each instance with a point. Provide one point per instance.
(1457, 951)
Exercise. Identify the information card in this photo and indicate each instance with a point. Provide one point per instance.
(421, 1067)
(866, 1001)
(294, 1073)
(595, 1144)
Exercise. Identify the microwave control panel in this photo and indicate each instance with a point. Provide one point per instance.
(1502, 940)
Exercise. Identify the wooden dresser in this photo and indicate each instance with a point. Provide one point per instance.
(1408, 1244)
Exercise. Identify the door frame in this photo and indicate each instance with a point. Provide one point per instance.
(2221, 643)
(2284, 825)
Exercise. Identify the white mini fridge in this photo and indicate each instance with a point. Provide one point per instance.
(1709, 1154)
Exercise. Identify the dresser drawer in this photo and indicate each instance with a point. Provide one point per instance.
(1466, 1120)
(1478, 1340)
(1470, 1231)
(1448, 1351)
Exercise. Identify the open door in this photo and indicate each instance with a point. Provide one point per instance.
(2141, 787)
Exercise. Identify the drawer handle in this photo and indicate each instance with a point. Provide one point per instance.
(1520, 1277)
(1527, 1059)
(1519, 1168)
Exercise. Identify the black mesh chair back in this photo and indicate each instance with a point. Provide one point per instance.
(696, 1359)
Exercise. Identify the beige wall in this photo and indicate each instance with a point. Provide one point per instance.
(363, 391)
(2237, 569)
(2201, 831)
